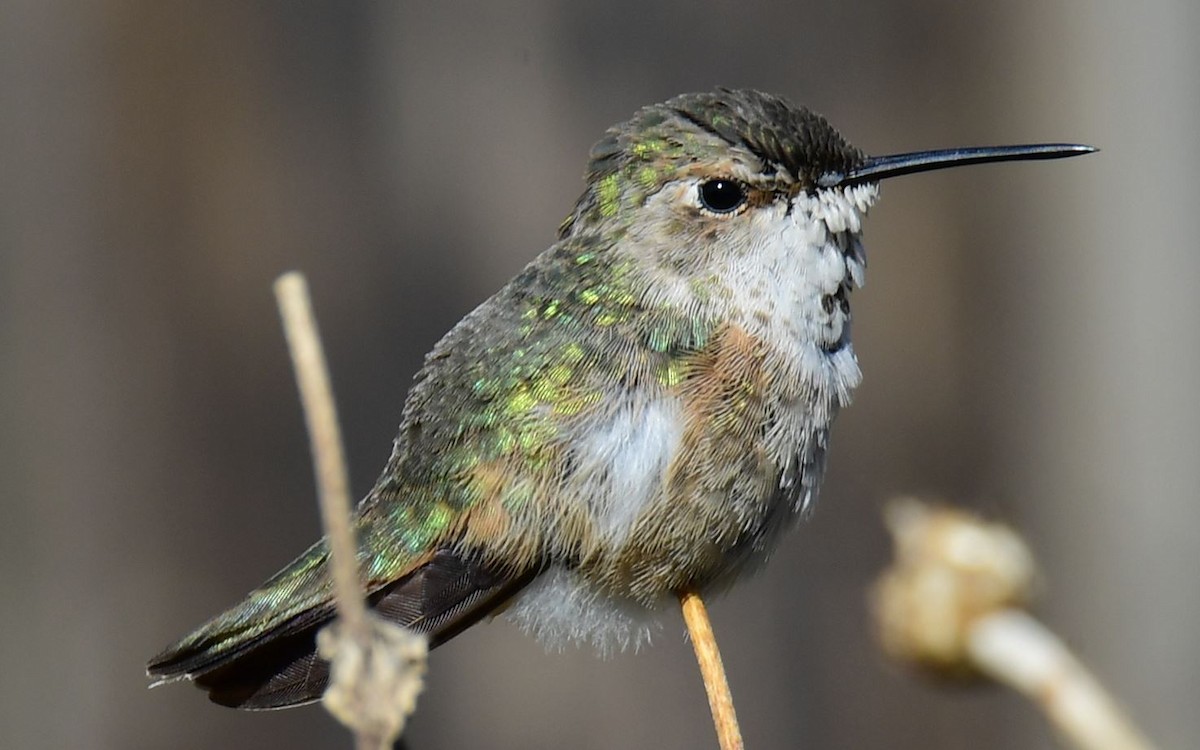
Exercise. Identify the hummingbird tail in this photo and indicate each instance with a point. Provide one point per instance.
(279, 667)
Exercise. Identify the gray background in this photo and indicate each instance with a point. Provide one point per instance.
(1028, 335)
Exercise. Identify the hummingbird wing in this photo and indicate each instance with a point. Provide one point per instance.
(262, 653)
(465, 512)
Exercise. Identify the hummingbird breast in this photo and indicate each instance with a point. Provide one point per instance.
(689, 480)
(683, 489)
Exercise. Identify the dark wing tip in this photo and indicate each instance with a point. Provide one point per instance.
(281, 673)
(280, 668)
(276, 669)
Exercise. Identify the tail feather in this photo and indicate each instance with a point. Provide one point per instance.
(280, 673)
(243, 664)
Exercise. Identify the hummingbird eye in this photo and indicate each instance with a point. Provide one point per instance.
(721, 196)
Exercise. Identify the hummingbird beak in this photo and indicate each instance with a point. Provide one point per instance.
(876, 168)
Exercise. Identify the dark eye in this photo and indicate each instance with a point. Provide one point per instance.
(721, 196)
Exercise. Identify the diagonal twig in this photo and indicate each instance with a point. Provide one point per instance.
(376, 667)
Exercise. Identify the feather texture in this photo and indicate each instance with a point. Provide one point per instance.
(279, 667)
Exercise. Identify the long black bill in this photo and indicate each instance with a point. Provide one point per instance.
(876, 168)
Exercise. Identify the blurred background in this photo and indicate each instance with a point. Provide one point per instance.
(1028, 336)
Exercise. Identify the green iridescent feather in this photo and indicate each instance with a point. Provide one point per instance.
(503, 385)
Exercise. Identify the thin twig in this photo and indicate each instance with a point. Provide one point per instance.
(376, 667)
(953, 603)
(329, 463)
(1017, 650)
(720, 700)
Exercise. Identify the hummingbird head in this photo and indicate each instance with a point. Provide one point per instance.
(747, 134)
(717, 202)
(721, 154)
(737, 201)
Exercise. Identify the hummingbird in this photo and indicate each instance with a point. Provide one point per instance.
(644, 409)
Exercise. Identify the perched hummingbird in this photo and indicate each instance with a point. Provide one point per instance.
(644, 409)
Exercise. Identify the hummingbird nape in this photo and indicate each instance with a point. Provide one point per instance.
(644, 409)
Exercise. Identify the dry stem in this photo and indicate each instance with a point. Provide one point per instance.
(952, 603)
(329, 462)
(720, 700)
(375, 666)
(1017, 650)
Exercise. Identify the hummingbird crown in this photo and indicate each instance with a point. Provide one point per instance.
(638, 156)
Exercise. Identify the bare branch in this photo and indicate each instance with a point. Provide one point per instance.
(376, 667)
(953, 604)
(720, 700)
(1017, 650)
(329, 462)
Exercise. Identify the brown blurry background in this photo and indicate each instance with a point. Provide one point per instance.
(1028, 335)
